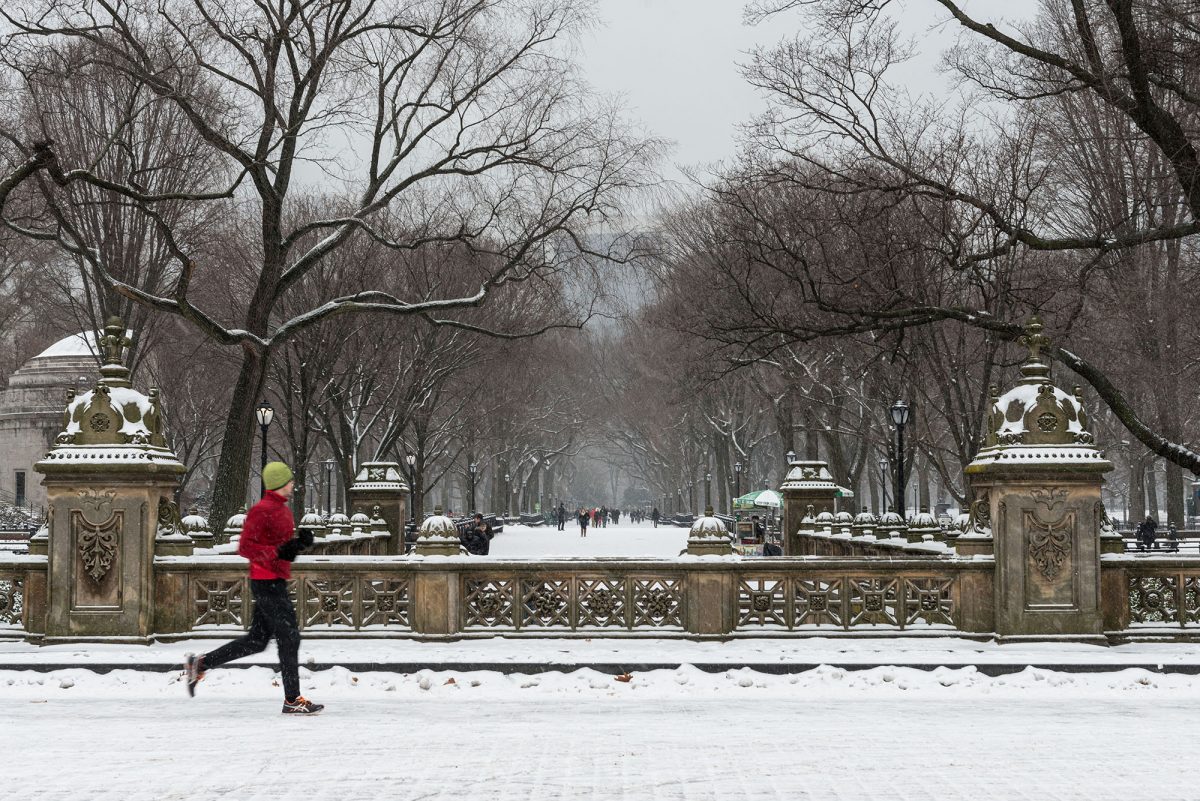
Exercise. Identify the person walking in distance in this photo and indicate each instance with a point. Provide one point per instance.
(562, 516)
(269, 543)
(583, 522)
(654, 516)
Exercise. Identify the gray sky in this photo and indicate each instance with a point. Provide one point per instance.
(675, 62)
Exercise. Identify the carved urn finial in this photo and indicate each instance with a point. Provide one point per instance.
(112, 349)
(1035, 370)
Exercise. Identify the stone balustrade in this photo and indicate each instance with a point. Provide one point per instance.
(453, 596)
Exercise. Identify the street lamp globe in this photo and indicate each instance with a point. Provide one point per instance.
(737, 467)
(265, 414)
(411, 459)
(791, 457)
(899, 412)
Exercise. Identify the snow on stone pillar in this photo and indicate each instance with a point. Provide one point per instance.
(807, 484)
(438, 537)
(1036, 483)
(381, 484)
(709, 537)
(111, 479)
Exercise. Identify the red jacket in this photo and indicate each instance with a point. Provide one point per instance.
(268, 525)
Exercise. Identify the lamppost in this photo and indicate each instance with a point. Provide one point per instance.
(328, 486)
(899, 413)
(791, 458)
(412, 486)
(883, 478)
(264, 413)
(507, 496)
(707, 489)
(472, 468)
(737, 483)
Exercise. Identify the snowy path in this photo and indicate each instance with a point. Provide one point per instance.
(886, 733)
(642, 539)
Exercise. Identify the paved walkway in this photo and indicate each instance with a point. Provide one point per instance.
(678, 735)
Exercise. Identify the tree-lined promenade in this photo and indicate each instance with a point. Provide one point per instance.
(392, 224)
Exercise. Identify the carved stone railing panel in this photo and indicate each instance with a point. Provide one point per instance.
(385, 602)
(1191, 601)
(601, 603)
(875, 602)
(328, 602)
(845, 602)
(1154, 600)
(546, 603)
(219, 602)
(570, 602)
(12, 602)
(819, 602)
(763, 602)
(658, 603)
(489, 603)
(928, 600)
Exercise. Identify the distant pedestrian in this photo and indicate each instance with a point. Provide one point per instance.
(1172, 538)
(772, 548)
(562, 516)
(584, 517)
(1146, 533)
(477, 539)
(267, 541)
(654, 516)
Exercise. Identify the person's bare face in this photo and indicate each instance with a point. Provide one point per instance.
(286, 490)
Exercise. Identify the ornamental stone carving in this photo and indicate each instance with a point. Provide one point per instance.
(97, 544)
(1049, 544)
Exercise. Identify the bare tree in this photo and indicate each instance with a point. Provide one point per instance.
(462, 118)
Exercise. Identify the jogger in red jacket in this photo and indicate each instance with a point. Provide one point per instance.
(267, 541)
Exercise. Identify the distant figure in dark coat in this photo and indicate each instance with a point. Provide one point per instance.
(771, 548)
(1172, 538)
(562, 516)
(584, 517)
(654, 516)
(1145, 533)
(477, 539)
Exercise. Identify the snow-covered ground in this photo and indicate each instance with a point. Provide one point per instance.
(641, 539)
(443, 731)
(887, 733)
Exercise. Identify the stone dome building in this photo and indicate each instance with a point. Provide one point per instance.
(31, 410)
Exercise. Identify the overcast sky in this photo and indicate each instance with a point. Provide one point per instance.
(675, 62)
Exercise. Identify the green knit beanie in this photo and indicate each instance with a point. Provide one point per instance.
(275, 475)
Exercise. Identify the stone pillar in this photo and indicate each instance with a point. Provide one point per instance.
(806, 484)
(382, 484)
(110, 478)
(1037, 484)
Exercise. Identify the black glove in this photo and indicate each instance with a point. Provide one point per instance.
(305, 535)
(290, 550)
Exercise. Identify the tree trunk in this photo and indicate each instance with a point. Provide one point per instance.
(1175, 495)
(923, 485)
(1152, 490)
(237, 443)
(1137, 490)
(812, 447)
